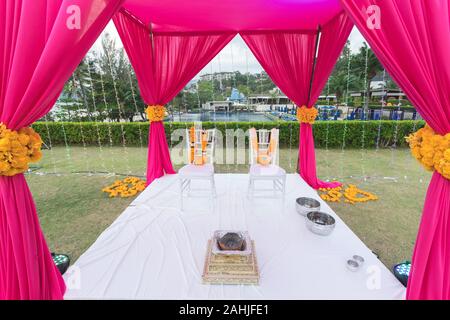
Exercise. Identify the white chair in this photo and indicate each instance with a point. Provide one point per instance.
(264, 164)
(200, 172)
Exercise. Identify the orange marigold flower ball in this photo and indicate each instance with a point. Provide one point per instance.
(431, 149)
(18, 149)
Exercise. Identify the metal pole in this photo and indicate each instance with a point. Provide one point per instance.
(316, 52)
(152, 42)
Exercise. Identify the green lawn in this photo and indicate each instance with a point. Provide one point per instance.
(73, 210)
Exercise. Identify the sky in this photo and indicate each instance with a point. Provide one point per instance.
(235, 56)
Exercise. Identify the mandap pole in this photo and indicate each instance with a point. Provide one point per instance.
(316, 52)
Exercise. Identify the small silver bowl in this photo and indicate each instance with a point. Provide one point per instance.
(352, 265)
(305, 205)
(320, 223)
(358, 259)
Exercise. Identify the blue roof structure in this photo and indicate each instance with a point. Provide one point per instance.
(236, 95)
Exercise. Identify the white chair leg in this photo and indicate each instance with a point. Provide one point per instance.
(181, 193)
(213, 187)
(213, 194)
(188, 187)
(283, 195)
(251, 189)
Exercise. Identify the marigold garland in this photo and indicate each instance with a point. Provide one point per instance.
(431, 149)
(198, 159)
(352, 194)
(331, 194)
(307, 115)
(18, 149)
(128, 187)
(155, 113)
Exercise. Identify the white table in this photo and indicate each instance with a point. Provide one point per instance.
(155, 251)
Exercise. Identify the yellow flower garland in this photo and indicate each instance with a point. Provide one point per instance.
(155, 113)
(18, 149)
(331, 195)
(307, 115)
(431, 149)
(198, 160)
(351, 194)
(128, 187)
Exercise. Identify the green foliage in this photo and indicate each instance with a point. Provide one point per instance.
(361, 72)
(404, 107)
(392, 133)
(103, 86)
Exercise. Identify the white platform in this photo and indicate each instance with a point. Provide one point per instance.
(155, 251)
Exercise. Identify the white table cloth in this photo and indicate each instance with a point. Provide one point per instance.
(155, 251)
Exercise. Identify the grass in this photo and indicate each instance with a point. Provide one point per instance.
(73, 211)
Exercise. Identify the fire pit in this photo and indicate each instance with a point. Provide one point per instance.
(227, 242)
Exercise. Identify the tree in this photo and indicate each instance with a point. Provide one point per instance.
(205, 91)
(102, 87)
(367, 64)
(338, 84)
(115, 71)
(341, 78)
(244, 89)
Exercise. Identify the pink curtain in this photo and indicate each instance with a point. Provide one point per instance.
(288, 58)
(412, 40)
(164, 63)
(41, 43)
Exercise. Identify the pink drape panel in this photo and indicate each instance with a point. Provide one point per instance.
(413, 43)
(333, 37)
(38, 52)
(158, 156)
(232, 15)
(288, 58)
(164, 64)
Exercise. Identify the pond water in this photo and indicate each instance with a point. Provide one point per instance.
(222, 116)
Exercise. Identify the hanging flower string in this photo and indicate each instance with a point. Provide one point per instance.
(352, 194)
(432, 150)
(128, 187)
(18, 149)
(156, 113)
(307, 115)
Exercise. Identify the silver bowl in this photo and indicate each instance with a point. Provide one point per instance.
(358, 259)
(353, 265)
(320, 223)
(305, 205)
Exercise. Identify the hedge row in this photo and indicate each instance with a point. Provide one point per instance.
(91, 133)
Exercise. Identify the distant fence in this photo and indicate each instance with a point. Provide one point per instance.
(331, 134)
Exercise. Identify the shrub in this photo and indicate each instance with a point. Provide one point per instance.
(93, 133)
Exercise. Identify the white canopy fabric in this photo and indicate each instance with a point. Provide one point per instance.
(155, 251)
